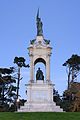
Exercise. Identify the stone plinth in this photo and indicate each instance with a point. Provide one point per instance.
(40, 98)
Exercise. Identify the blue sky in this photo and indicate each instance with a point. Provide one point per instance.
(61, 24)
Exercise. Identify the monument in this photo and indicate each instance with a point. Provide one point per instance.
(40, 89)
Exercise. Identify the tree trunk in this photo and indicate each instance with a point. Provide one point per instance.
(18, 82)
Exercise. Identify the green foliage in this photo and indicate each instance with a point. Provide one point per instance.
(71, 98)
(70, 101)
(73, 68)
(56, 97)
(40, 116)
(6, 70)
(20, 61)
(7, 90)
(74, 61)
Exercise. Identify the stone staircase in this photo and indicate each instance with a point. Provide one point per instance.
(40, 107)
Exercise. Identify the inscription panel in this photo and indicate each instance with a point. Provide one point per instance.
(40, 96)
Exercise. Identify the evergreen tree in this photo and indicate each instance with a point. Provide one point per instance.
(7, 88)
(71, 96)
(73, 68)
(20, 61)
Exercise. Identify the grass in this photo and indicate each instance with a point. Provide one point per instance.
(40, 116)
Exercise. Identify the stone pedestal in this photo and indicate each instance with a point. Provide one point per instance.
(40, 98)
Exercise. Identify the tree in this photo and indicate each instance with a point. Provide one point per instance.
(73, 68)
(71, 98)
(56, 97)
(20, 61)
(7, 89)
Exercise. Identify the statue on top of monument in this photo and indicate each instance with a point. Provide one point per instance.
(39, 25)
(39, 75)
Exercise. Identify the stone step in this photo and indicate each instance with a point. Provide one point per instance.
(37, 107)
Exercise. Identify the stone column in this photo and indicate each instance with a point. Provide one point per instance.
(31, 69)
(48, 68)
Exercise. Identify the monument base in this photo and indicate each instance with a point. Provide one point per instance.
(40, 98)
(40, 107)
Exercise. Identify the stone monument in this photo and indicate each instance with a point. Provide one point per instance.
(40, 91)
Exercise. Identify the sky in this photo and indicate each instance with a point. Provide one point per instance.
(61, 25)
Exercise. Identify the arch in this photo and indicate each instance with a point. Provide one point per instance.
(39, 63)
(39, 60)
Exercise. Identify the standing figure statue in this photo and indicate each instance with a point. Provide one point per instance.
(39, 75)
(39, 25)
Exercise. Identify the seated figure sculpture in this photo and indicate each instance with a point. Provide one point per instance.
(39, 75)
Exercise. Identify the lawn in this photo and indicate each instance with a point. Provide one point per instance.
(39, 116)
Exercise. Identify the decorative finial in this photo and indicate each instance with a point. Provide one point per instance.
(39, 25)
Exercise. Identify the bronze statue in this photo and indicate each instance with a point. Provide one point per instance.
(39, 25)
(39, 75)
